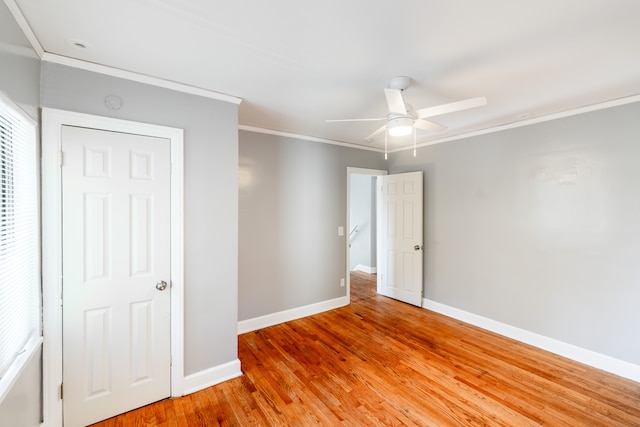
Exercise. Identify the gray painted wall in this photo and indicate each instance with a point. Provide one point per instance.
(19, 65)
(20, 81)
(293, 196)
(210, 195)
(539, 227)
(362, 213)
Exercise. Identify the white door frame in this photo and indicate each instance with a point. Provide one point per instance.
(52, 122)
(355, 171)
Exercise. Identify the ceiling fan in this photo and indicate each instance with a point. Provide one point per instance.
(402, 119)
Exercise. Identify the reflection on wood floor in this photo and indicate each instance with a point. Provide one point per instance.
(382, 362)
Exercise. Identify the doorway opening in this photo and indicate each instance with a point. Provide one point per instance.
(361, 221)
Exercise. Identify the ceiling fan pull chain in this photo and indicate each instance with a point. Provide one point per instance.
(414, 141)
(385, 144)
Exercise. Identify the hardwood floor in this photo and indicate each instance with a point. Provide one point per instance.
(381, 362)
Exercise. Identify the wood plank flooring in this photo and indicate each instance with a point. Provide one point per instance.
(380, 362)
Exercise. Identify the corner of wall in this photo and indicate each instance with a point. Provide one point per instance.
(210, 377)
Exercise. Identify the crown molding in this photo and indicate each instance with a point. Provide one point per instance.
(307, 138)
(546, 118)
(137, 77)
(25, 27)
(110, 71)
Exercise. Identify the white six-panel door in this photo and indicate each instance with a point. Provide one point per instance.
(400, 236)
(116, 255)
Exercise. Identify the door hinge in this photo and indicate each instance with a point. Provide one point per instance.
(61, 158)
(61, 391)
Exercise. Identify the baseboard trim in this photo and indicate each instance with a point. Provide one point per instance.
(588, 357)
(256, 323)
(365, 269)
(212, 376)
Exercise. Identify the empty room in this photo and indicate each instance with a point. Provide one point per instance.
(354, 213)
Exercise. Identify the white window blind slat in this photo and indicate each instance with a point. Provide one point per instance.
(19, 234)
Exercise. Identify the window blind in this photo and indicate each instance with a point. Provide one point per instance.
(19, 234)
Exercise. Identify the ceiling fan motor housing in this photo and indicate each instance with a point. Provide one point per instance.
(400, 82)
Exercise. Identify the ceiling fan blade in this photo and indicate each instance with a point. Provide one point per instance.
(355, 120)
(395, 101)
(451, 107)
(376, 133)
(428, 125)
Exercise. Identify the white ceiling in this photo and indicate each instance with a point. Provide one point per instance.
(296, 63)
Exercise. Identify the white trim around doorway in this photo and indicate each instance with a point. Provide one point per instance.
(52, 122)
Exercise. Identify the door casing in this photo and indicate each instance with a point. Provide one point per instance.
(51, 193)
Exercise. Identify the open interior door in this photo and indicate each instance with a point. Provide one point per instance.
(400, 237)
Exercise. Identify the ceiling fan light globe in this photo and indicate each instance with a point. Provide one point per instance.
(400, 130)
(400, 126)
